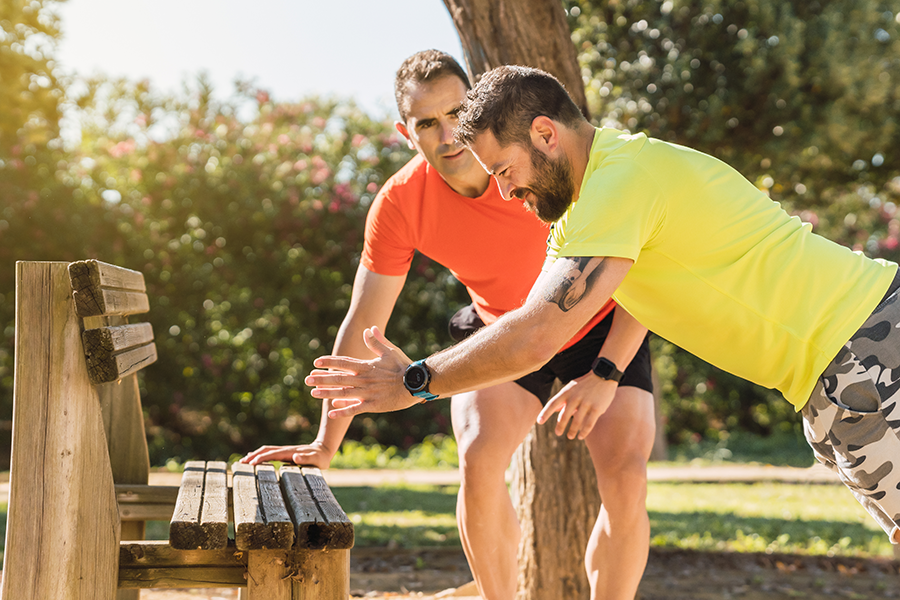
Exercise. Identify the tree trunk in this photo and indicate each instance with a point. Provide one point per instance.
(554, 485)
(533, 33)
(555, 493)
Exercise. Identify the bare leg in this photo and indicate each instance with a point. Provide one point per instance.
(489, 425)
(620, 446)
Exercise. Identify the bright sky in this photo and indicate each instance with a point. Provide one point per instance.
(292, 48)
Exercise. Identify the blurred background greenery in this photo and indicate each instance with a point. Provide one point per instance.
(248, 230)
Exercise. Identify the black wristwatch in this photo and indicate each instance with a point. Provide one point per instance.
(416, 380)
(606, 369)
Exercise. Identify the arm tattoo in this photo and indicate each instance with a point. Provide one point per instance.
(568, 289)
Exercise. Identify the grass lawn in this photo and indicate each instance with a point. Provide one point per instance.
(759, 517)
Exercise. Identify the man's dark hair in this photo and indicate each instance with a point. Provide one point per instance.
(428, 65)
(507, 99)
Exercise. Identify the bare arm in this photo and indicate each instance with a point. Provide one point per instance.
(371, 303)
(583, 400)
(563, 300)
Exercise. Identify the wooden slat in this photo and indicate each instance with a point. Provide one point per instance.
(340, 528)
(146, 502)
(319, 520)
(62, 530)
(278, 521)
(214, 516)
(158, 553)
(116, 352)
(261, 520)
(156, 564)
(101, 274)
(101, 289)
(192, 526)
(146, 494)
(110, 340)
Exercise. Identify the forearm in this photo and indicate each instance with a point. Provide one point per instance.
(523, 340)
(371, 303)
(624, 340)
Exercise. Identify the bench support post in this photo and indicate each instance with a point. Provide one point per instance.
(297, 575)
(62, 536)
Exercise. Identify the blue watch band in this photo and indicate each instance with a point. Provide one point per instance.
(426, 395)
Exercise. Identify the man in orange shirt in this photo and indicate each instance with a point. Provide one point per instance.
(443, 204)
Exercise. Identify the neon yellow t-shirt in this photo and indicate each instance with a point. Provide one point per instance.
(720, 269)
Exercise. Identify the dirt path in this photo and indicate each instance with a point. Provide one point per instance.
(670, 575)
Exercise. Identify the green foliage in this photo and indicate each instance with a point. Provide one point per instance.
(435, 452)
(801, 97)
(783, 448)
(248, 234)
(30, 93)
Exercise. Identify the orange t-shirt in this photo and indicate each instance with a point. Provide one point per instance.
(493, 247)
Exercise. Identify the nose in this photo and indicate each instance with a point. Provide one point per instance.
(506, 187)
(447, 133)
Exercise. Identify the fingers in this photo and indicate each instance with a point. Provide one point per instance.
(270, 453)
(555, 404)
(345, 408)
(339, 363)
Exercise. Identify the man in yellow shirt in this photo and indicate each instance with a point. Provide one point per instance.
(693, 251)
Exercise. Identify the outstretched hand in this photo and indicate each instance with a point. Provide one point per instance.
(356, 386)
(315, 454)
(580, 403)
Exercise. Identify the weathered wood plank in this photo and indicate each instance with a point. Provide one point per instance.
(261, 520)
(308, 519)
(105, 341)
(183, 577)
(101, 274)
(103, 289)
(278, 520)
(158, 553)
(337, 530)
(214, 515)
(157, 564)
(188, 529)
(146, 494)
(107, 368)
(146, 502)
(62, 540)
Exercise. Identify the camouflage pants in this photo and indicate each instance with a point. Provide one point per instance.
(852, 420)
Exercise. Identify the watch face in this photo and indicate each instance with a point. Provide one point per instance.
(415, 378)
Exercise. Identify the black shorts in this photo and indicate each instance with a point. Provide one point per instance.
(571, 363)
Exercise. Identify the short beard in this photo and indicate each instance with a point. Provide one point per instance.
(553, 186)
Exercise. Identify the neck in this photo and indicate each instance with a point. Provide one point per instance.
(577, 145)
(472, 184)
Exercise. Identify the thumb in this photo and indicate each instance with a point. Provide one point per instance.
(376, 342)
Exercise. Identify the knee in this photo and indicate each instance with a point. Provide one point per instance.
(622, 482)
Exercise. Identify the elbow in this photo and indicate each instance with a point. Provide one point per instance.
(540, 349)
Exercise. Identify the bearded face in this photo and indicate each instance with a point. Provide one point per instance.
(550, 192)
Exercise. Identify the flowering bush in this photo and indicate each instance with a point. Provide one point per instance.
(248, 234)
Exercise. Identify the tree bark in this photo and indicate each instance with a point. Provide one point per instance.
(554, 485)
(533, 33)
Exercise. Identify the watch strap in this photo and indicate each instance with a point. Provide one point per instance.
(606, 369)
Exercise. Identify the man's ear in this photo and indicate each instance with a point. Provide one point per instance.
(405, 133)
(544, 134)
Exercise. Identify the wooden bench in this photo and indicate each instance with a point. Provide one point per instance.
(79, 472)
